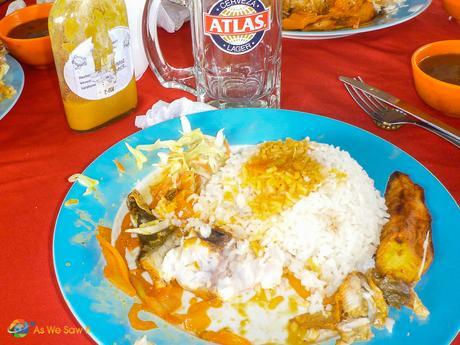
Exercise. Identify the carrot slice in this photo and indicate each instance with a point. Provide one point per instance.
(197, 320)
(105, 232)
(116, 270)
(297, 285)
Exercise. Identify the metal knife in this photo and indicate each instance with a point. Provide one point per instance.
(403, 106)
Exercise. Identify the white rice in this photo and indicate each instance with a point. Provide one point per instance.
(337, 228)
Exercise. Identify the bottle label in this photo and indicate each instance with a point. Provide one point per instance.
(237, 26)
(80, 72)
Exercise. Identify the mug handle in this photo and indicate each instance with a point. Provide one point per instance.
(169, 76)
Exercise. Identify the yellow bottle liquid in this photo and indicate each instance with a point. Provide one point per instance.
(92, 53)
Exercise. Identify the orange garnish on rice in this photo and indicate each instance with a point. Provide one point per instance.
(296, 284)
(281, 173)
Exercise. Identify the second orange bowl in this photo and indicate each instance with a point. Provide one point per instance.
(440, 95)
(453, 8)
(32, 51)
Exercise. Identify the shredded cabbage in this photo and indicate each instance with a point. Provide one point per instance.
(138, 156)
(186, 166)
(194, 151)
(186, 126)
(85, 181)
(150, 228)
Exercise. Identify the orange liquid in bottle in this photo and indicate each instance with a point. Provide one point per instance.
(84, 114)
(92, 51)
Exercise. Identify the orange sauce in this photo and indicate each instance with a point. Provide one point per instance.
(280, 174)
(124, 240)
(241, 309)
(161, 301)
(147, 266)
(263, 299)
(168, 197)
(224, 337)
(160, 189)
(204, 294)
(296, 333)
(153, 302)
(169, 296)
(196, 241)
(197, 320)
(121, 169)
(256, 248)
(116, 270)
(136, 322)
(311, 266)
(260, 298)
(296, 285)
(105, 232)
(275, 302)
(71, 202)
(293, 306)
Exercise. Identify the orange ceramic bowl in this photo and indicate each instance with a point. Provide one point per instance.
(453, 8)
(32, 51)
(440, 95)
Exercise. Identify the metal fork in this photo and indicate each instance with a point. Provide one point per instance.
(390, 118)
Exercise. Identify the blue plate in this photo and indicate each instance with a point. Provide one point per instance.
(14, 78)
(103, 309)
(404, 12)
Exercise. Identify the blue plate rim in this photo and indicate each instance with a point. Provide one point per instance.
(12, 61)
(348, 32)
(56, 273)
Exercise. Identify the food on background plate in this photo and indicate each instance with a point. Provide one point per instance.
(6, 91)
(268, 243)
(325, 15)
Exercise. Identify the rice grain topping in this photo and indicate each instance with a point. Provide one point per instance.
(280, 174)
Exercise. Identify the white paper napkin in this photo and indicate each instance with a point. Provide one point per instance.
(174, 16)
(14, 6)
(18, 4)
(162, 111)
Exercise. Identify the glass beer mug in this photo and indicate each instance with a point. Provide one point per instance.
(237, 50)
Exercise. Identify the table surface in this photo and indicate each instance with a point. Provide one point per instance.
(38, 152)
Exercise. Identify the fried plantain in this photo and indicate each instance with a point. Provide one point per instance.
(406, 248)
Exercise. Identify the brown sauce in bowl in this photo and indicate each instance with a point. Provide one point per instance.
(33, 29)
(442, 67)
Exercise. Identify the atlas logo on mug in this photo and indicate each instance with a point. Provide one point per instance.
(237, 26)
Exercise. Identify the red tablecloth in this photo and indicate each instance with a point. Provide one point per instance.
(38, 151)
